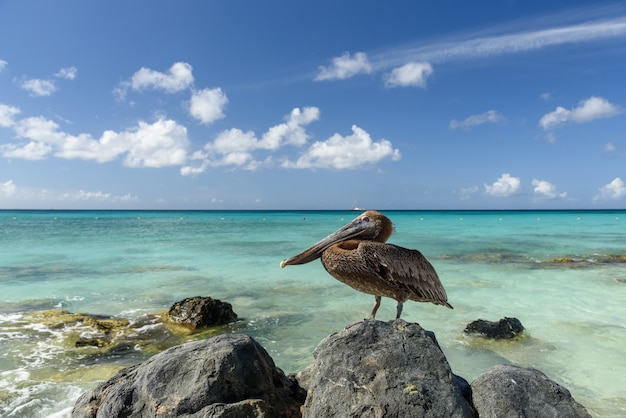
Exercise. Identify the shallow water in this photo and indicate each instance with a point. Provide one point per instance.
(562, 273)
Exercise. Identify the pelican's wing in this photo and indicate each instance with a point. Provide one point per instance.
(407, 269)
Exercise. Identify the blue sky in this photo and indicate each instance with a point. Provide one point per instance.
(311, 105)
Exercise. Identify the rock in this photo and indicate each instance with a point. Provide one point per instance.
(225, 376)
(375, 369)
(511, 391)
(506, 328)
(197, 312)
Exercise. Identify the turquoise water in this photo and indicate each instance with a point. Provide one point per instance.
(493, 264)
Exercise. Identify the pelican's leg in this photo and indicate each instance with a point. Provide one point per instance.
(399, 309)
(375, 308)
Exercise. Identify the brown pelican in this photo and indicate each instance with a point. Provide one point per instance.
(358, 256)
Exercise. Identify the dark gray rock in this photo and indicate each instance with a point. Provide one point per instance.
(376, 369)
(225, 376)
(198, 311)
(506, 391)
(506, 328)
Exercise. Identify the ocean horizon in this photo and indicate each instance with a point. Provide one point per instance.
(560, 272)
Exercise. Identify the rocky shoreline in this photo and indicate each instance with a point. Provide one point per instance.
(369, 369)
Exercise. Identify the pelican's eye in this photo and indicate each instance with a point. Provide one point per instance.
(365, 219)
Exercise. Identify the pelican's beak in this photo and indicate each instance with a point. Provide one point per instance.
(356, 228)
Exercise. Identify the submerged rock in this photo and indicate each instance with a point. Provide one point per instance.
(225, 376)
(198, 312)
(378, 369)
(506, 328)
(511, 391)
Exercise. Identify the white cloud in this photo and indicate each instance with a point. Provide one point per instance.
(178, 78)
(344, 67)
(546, 190)
(99, 196)
(68, 73)
(38, 87)
(7, 115)
(3, 65)
(466, 193)
(490, 116)
(34, 150)
(345, 152)
(413, 74)
(7, 189)
(235, 147)
(586, 111)
(471, 46)
(207, 105)
(615, 190)
(546, 96)
(159, 144)
(45, 87)
(503, 187)
(609, 147)
(11, 194)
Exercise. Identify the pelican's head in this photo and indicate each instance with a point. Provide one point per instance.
(370, 225)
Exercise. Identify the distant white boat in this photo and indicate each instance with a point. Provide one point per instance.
(355, 205)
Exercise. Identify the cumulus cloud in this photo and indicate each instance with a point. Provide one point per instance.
(490, 116)
(345, 66)
(41, 87)
(546, 190)
(244, 149)
(234, 147)
(466, 193)
(67, 73)
(38, 87)
(178, 78)
(345, 152)
(413, 74)
(615, 190)
(586, 111)
(7, 189)
(7, 115)
(208, 105)
(159, 144)
(505, 186)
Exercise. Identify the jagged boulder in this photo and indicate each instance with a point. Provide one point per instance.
(229, 375)
(376, 369)
(199, 311)
(505, 328)
(506, 391)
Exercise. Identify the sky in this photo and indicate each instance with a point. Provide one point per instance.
(150, 104)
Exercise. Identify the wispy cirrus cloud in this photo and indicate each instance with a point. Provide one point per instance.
(490, 116)
(466, 46)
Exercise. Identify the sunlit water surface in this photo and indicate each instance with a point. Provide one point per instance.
(563, 274)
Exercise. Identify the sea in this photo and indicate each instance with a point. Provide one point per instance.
(561, 273)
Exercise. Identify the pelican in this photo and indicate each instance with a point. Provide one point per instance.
(357, 255)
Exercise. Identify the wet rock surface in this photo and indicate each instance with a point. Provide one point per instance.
(505, 328)
(369, 369)
(199, 312)
(511, 391)
(378, 369)
(225, 376)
